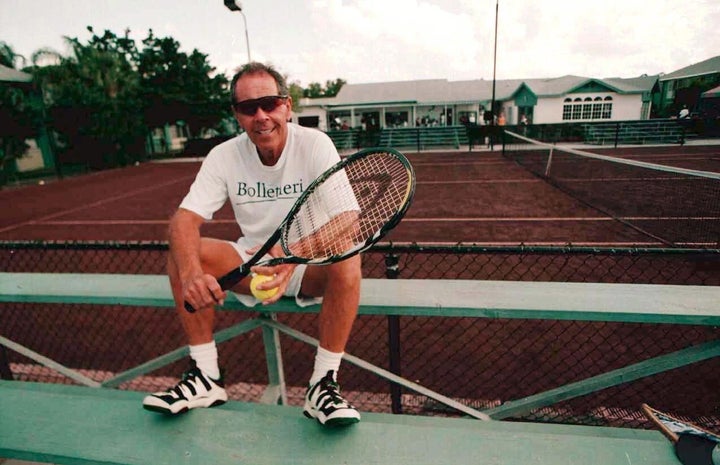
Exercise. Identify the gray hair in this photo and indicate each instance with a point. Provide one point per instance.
(254, 68)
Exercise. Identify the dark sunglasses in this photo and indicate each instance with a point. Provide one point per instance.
(268, 104)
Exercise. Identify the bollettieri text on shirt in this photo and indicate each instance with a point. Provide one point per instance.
(261, 192)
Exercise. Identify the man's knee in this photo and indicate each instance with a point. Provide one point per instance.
(344, 274)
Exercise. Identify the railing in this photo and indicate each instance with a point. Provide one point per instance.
(655, 131)
(478, 361)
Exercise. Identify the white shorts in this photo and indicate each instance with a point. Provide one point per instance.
(293, 288)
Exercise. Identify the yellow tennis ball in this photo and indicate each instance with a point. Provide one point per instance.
(261, 294)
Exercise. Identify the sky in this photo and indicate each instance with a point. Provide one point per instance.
(364, 41)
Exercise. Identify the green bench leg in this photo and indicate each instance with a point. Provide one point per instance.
(276, 392)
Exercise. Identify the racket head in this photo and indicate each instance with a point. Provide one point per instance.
(349, 207)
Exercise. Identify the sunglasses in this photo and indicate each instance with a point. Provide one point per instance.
(268, 104)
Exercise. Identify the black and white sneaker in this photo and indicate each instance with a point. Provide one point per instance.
(324, 403)
(196, 389)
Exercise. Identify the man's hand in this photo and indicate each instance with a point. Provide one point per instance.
(281, 274)
(202, 291)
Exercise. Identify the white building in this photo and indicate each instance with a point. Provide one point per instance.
(438, 102)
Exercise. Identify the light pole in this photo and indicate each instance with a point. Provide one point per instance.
(492, 104)
(235, 5)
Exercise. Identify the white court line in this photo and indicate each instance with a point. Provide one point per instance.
(44, 219)
(580, 219)
(408, 220)
(486, 181)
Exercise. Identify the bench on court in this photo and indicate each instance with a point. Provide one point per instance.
(97, 424)
(80, 425)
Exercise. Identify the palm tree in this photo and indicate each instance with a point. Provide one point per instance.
(8, 57)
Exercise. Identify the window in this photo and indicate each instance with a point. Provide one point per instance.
(597, 108)
(607, 108)
(577, 109)
(587, 108)
(567, 110)
(309, 121)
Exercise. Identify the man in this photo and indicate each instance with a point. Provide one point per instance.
(261, 172)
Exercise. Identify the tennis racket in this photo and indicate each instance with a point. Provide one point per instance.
(343, 212)
(672, 427)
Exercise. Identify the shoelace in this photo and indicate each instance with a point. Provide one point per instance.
(187, 386)
(329, 393)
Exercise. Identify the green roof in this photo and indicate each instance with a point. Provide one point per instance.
(709, 66)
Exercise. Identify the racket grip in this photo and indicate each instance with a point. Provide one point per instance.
(226, 282)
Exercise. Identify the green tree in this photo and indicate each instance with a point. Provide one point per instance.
(18, 115)
(8, 57)
(180, 87)
(297, 93)
(93, 100)
(331, 89)
(105, 97)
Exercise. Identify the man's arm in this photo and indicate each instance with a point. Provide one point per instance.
(199, 288)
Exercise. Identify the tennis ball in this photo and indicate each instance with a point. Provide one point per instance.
(261, 294)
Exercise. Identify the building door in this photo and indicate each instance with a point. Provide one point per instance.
(528, 112)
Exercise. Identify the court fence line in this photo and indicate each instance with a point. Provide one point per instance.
(472, 359)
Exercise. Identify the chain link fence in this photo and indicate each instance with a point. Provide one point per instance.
(481, 362)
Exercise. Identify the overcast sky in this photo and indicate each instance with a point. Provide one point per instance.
(394, 40)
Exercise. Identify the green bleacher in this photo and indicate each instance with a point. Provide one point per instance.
(420, 138)
(654, 131)
(345, 139)
(423, 138)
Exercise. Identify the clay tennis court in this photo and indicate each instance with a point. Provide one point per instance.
(477, 197)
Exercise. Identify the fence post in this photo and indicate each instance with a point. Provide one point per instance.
(5, 371)
(617, 133)
(392, 270)
(682, 135)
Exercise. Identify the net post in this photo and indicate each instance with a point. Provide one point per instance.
(549, 162)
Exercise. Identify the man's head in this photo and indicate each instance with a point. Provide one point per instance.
(262, 106)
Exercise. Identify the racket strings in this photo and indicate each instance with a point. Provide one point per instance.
(349, 207)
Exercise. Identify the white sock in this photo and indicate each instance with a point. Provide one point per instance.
(324, 362)
(206, 358)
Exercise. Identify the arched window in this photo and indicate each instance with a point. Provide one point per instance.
(597, 108)
(587, 108)
(567, 109)
(607, 108)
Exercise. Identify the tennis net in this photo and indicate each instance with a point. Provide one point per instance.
(674, 206)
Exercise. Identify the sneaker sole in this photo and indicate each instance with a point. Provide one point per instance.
(184, 409)
(333, 422)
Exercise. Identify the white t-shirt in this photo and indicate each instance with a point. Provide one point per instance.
(260, 195)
